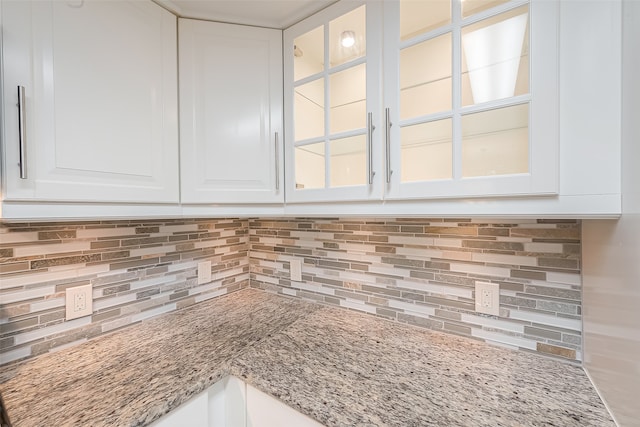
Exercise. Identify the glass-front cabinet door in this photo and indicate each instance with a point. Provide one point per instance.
(470, 95)
(332, 100)
(416, 99)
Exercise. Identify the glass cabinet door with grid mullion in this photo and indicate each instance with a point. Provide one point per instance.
(470, 92)
(331, 71)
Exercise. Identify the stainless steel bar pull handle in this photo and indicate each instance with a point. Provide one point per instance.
(370, 128)
(388, 124)
(277, 144)
(22, 133)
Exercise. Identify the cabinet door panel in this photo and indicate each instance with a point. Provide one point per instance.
(473, 99)
(101, 100)
(332, 70)
(230, 107)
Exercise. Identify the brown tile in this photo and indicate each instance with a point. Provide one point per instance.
(104, 244)
(403, 262)
(464, 330)
(490, 244)
(6, 252)
(63, 286)
(556, 351)
(51, 262)
(351, 227)
(451, 315)
(382, 291)
(108, 256)
(13, 267)
(558, 262)
(143, 241)
(334, 227)
(412, 229)
(98, 317)
(147, 230)
(333, 264)
(112, 290)
(7, 342)
(185, 302)
(386, 249)
(553, 292)
(9, 311)
(351, 285)
(458, 231)
(385, 312)
(421, 275)
(526, 274)
(327, 281)
(57, 235)
(133, 264)
(518, 302)
(50, 317)
(18, 325)
(380, 228)
(542, 333)
(419, 321)
(414, 296)
(179, 294)
(147, 293)
(503, 232)
(348, 237)
(547, 233)
(437, 265)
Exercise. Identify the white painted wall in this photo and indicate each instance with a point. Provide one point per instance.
(611, 257)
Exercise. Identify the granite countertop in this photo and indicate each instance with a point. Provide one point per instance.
(340, 367)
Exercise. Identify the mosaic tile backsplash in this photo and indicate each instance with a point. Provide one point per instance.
(138, 269)
(423, 272)
(416, 271)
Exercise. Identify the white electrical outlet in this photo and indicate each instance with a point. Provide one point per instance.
(295, 266)
(204, 272)
(79, 301)
(488, 298)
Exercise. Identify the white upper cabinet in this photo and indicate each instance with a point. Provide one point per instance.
(464, 104)
(231, 141)
(471, 93)
(97, 121)
(332, 98)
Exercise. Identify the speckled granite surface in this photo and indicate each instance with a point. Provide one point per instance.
(340, 367)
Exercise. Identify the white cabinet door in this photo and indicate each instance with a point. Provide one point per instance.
(467, 105)
(193, 413)
(472, 94)
(230, 113)
(332, 103)
(266, 411)
(100, 111)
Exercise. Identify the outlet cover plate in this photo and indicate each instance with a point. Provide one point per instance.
(296, 270)
(79, 301)
(488, 298)
(204, 272)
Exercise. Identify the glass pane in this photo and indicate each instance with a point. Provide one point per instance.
(348, 99)
(310, 166)
(425, 77)
(426, 151)
(308, 53)
(470, 7)
(348, 37)
(495, 57)
(349, 161)
(308, 106)
(420, 16)
(496, 142)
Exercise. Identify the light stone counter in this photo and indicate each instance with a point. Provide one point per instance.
(340, 367)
